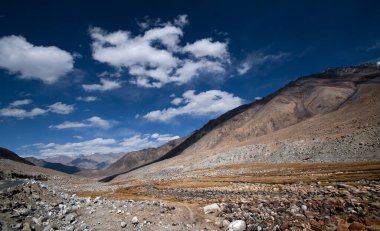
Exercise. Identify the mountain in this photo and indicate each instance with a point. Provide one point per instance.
(62, 159)
(55, 166)
(133, 160)
(8, 154)
(325, 117)
(93, 161)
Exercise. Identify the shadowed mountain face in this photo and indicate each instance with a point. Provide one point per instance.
(307, 120)
(7, 154)
(134, 160)
(54, 166)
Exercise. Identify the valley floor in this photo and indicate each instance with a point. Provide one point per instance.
(296, 196)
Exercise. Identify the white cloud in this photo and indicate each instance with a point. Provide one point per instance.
(177, 101)
(87, 98)
(14, 110)
(61, 108)
(28, 61)
(101, 123)
(258, 98)
(211, 102)
(105, 85)
(94, 121)
(378, 64)
(21, 113)
(101, 145)
(18, 103)
(155, 57)
(206, 47)
(256, 60)
(163, 137)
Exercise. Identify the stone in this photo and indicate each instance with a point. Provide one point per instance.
(123, 224)
(304, 207)
(70, 217)
(26, 227)
(356, 226)
(69, 228)
(213, 208)
(226, 223)
(36, 221)
(238, 225)
(135, 220)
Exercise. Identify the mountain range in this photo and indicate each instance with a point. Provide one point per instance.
(332, 116)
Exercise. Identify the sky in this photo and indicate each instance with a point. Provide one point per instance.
(78, 78)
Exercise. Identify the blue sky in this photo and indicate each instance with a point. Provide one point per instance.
(81, 78)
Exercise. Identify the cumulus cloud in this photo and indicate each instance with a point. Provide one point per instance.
(101, 145)
(156, 57)
(212, 102)
(27, 61)
(14, 110)
(94, 121)
(87, 98)
(206, 47)
(18, 103)
(105, 85)
(22, 113)
(61, 108)
(256, 60)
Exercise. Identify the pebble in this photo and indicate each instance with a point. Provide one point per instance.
(135, 220)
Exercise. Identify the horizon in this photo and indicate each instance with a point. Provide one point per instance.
(121, 77)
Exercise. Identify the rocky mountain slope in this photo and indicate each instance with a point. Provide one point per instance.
(8, 154)
(133, 160)
(54, 166)
(325, 117)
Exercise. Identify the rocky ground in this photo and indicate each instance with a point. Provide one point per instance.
(336, 199)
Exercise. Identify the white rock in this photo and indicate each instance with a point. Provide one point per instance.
(226, 223)
(238, 225)
(123, 224)
(304, 207)
(213, 208)
(135, 220)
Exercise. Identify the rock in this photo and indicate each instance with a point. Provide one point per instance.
(18, 226)
(26, 227)
(374, 228)
(213, 208)
(70, 217)
(69, 228)
(48, 228)
(238, 225)
(356, 226)
(36, 221)
(375, 205)
(226, 223)
(304, 207)
(123, 224)
(135, 220)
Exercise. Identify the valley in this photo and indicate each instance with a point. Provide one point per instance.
(306, 157)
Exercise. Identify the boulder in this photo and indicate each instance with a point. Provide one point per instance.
(213, 208)
(238, 225)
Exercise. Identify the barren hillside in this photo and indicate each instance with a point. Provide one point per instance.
(327, 117)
